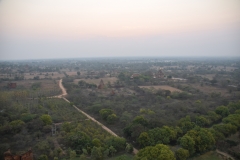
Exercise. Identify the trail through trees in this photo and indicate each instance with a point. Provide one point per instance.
(64, 93)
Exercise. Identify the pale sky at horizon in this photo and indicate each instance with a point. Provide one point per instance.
(76, 28)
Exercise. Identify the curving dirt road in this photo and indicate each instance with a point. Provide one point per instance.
(64, 93)
(224, 154)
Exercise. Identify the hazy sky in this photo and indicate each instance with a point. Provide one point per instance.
(31, 29)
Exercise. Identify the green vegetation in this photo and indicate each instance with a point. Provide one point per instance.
(75, 135)
(189, 105)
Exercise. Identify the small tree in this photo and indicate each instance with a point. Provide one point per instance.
(43, 157)
(129, 148)
(111, 119)
(47, 120)
(73, 154)
(182, 154)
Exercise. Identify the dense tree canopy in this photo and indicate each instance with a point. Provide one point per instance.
(158, 152)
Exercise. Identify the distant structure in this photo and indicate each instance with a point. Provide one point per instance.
(101, 85)
(12, 85)
(25, 156)
(159, 74)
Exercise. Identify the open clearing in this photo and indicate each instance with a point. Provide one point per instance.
(164, 87)
(210, 89)
(27, 84)
(212, 155)
(42, 75)
(97, 81)
(208, 76)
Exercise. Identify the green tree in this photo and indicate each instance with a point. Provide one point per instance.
(16, 125)
(83, 157)
(202, 121)
(78, 73)
(122, 157)
(112, 118)
(96, 153)
(140, 120)
(182, 154)
(129, 148)
(226, 129)
(188, 143)
(158, 152)
(144, 139)
(47, 120)
(186, 124)
(213, 116)
(197, 139)
(222, 110)
(233, 119)
(96, 142)
(105, 113)
(73, 154)
(78, 140)
(43, 157)
(112, 151)
(117, 142)
(162, 135)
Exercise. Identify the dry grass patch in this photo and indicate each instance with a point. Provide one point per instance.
(210, 89)
(27, 84)
(97, 81)
(163, 87)
(53, 75)
(209, 76)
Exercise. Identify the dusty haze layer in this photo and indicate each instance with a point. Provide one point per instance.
(66, 29)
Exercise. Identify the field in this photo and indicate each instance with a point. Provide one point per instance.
(97, 81)
(209, 89)
(163, 87)
(212, 155)
(27, 84)
(53, 75)
(235, 137)
(124, 157)
(208, 76)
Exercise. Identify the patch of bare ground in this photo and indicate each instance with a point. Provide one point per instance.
(163, 87)
(72, 73)
(97, 81)
(45, 84)
(42, 75)
(208, 76)
(208, 89)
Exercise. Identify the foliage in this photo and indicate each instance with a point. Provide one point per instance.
(96, 153)
(105, 113)
(118, 143)
(111, 119)
(78, 140)
(73, 154)
(222, 110)
(186, 124)
(43, 157)
(198, 139)
(188, 143)
(182, 154)
(46, 119)
(129, 148)
(158, 152)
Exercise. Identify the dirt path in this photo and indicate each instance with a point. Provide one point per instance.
(64, 93)
(56, 145)
(225, 154)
